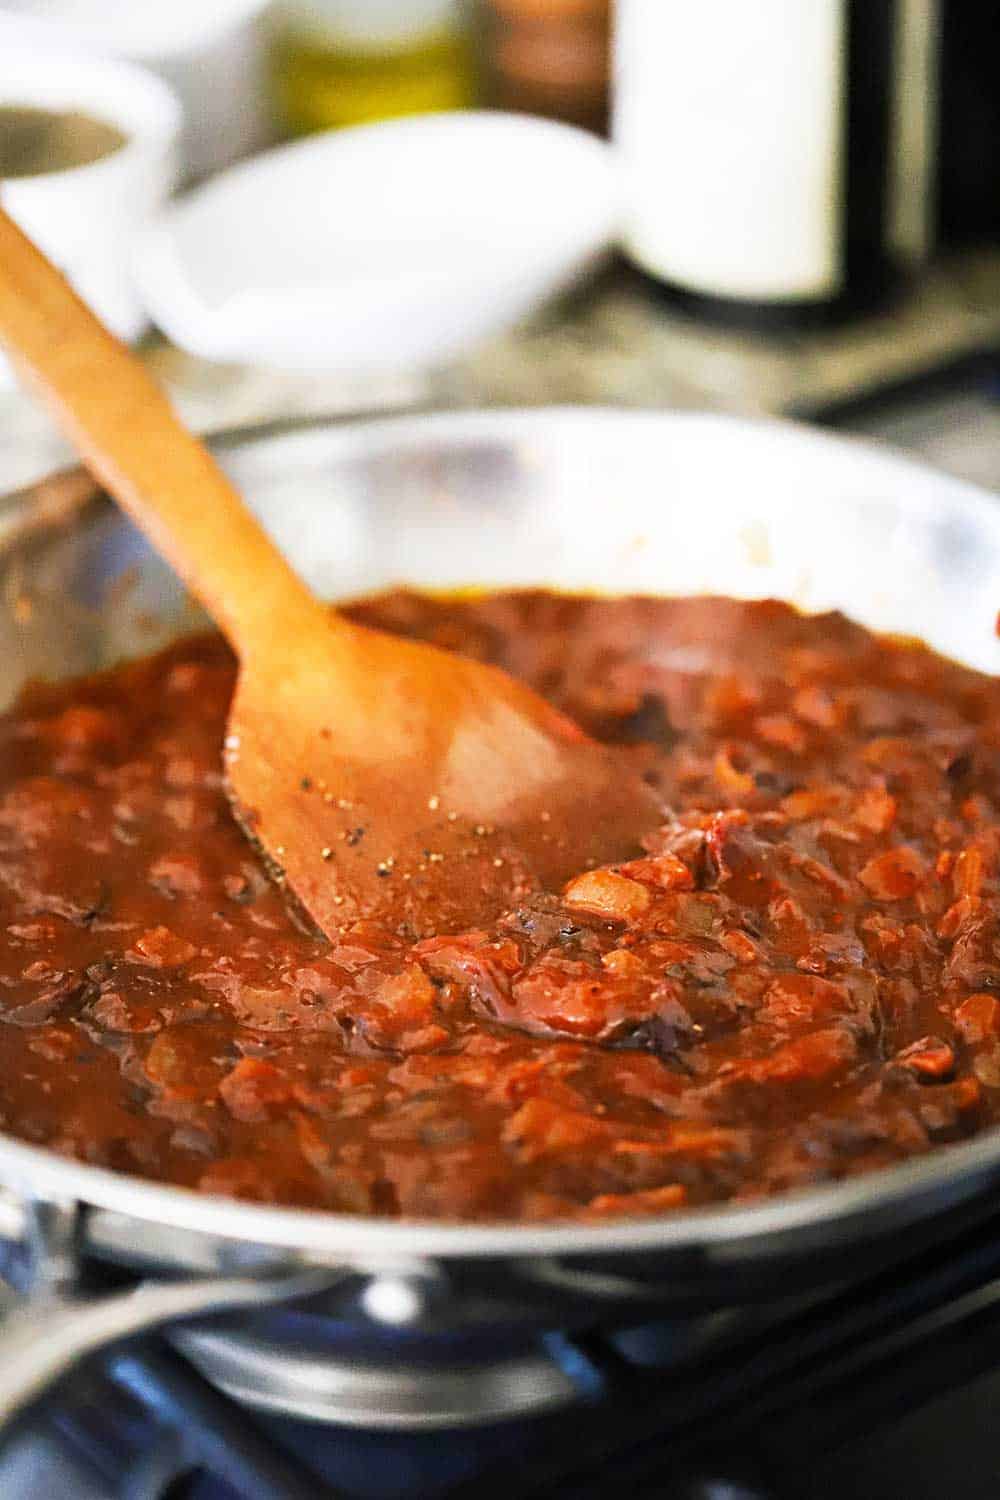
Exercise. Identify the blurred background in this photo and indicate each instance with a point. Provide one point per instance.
(300, 208)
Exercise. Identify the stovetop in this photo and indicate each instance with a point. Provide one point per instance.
(882, 1390)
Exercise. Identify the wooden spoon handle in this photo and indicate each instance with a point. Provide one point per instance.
(130, 438)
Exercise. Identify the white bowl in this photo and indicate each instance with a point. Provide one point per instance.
(86, 218)
(386, 246)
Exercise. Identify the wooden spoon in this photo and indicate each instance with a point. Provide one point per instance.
(382, 778)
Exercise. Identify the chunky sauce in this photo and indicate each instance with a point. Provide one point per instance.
(799, 979)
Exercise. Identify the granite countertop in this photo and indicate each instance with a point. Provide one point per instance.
(615, 342)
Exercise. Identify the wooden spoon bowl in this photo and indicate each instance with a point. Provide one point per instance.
(381, 778)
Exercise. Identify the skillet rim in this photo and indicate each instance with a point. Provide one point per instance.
(874, 1203)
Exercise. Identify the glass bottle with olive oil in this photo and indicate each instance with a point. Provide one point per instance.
(344, 62)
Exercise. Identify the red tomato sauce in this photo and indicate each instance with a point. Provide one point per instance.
(796, 979)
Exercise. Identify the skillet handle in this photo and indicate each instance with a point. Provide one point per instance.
(45, 1337)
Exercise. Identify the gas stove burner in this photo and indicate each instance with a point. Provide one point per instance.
(756, 1404)
(394, 1392)
(357, 1372)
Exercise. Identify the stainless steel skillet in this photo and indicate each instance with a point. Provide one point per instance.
(580, 498)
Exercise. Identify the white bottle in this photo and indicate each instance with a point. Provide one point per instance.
(758, 144)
